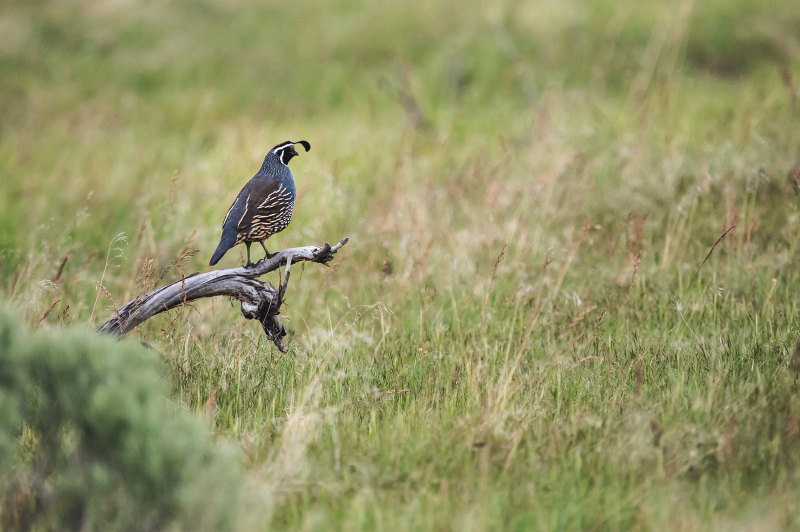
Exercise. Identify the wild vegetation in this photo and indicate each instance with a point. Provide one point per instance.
(569, 301)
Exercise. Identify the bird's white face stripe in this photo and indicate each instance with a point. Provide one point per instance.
(282, 147)
(278, 150)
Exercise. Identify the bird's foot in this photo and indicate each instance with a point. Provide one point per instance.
(249, 264)
(267, 254)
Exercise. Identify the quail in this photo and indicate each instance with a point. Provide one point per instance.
(265, 204)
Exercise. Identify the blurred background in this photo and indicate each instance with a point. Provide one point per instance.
(433, 124)
(525, 185)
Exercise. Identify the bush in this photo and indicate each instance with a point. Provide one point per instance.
(89, 440)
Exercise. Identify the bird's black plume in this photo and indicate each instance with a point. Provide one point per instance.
(305, 144)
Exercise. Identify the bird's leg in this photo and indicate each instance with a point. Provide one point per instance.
(269, 255)
(249, 264)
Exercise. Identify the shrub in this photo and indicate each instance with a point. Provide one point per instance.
(89, 440)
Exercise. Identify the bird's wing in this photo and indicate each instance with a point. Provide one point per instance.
(271, 202)
(230, 210)
(237, 212)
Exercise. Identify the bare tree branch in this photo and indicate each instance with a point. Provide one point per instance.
(260, 300)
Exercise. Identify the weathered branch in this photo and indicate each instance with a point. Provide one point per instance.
(260, 300)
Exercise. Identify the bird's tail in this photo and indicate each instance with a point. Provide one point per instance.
(222, 248)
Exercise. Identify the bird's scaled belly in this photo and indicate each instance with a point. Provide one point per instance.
(257, 233)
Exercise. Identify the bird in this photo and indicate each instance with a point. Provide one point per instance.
(265, 204)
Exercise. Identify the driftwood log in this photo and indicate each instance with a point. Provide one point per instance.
(260, 301)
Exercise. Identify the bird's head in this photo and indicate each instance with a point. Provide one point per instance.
(285, 150)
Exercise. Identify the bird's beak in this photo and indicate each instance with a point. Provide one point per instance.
(294, 153)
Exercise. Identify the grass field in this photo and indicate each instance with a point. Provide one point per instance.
(534, 325)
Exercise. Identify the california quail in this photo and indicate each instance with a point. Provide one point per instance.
(264, 206)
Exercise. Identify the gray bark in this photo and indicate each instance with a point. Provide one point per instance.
(260, 300)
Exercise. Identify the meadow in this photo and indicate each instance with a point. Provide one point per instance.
(569, 300)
